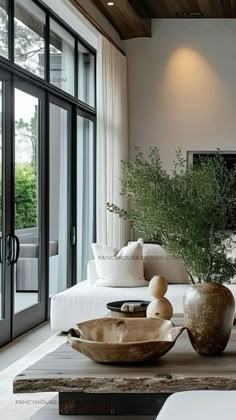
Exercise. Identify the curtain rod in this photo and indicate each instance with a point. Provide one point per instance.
(96, 25)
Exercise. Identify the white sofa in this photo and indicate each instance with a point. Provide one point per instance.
(86, 301)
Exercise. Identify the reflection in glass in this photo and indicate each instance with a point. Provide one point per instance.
(85, 195)
(1, 283)
(86, 75)
(3, 28)
(58, 232)
(29, 37)
(62, 50)
(26, 199)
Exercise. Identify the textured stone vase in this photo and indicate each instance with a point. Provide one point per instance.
(209, 310)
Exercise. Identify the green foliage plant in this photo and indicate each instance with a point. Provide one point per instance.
(187, 211)
(25, 196)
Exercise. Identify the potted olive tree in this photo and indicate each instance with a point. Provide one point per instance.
(188, 212)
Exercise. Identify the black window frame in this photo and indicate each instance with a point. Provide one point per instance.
(50, 14)
(77, 106)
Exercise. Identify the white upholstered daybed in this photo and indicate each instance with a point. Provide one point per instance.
(86, 301)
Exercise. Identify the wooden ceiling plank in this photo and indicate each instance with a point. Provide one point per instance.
(227, 9)
(141, 8)
(152, 8)
(126, 14)
(125, 19)
(106, 13)
(168, 7)
(233, 5)
(191, 6)
(211, 8)
(132, 18)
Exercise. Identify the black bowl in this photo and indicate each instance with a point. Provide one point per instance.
(116, 306)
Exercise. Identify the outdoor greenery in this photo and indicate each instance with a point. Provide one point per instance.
(187, 211)
(28, 45)
(26, 138)
(26, 173)
(29, 38)
(25, 196)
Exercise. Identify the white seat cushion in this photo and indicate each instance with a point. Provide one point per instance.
(199, 405)
(83, 301)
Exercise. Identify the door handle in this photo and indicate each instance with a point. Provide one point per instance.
(9, 248)
(74, 235)
(13, 244)
(16, 247)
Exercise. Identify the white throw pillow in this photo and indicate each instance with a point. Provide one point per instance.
(119, 269)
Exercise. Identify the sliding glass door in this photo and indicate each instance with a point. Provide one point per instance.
(47, 201)
(85, 191)
(60, 137)
(26, 187)
(29, 212)
(5, 272)
(47, 161)
(22, 213)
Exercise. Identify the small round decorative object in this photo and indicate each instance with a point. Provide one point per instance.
(158, 287)
(160, 308)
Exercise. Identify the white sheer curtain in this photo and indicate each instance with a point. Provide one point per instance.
(112, 141)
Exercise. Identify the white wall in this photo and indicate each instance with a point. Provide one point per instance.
(182, 87)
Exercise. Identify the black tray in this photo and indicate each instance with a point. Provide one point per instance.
(116, 306)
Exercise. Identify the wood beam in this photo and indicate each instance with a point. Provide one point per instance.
(125, 19)
(78, 6)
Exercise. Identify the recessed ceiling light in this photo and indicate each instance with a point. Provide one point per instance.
(110, 3)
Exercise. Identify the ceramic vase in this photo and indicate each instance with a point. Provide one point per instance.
(209, 311)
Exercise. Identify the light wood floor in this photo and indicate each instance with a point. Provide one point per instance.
(24, 344)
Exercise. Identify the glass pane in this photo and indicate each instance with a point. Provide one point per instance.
(86, 69)
(58, 233)
(62, 51)
(85, 194)
(26, 198)
(29, 37)
(3, 28)
(1, 282)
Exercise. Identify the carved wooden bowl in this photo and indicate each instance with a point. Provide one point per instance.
(122, 340)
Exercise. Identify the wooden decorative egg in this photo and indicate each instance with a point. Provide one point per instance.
(158, 287)
(159, 308)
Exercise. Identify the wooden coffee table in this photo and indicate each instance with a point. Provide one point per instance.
(86, 387)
